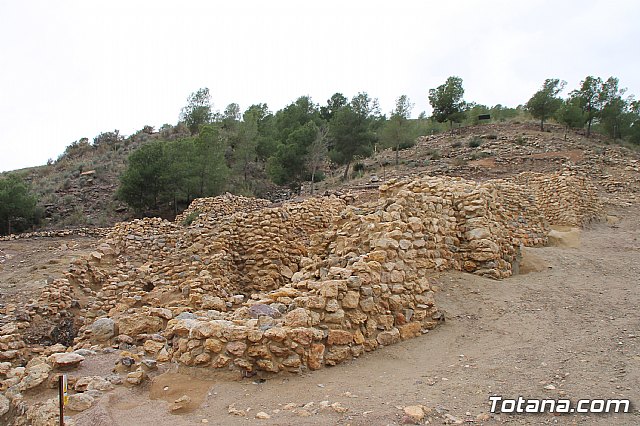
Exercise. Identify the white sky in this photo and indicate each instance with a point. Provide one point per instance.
(72, 69)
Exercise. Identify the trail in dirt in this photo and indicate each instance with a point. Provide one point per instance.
(574, 326)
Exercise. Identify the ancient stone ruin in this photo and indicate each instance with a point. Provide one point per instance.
(314, 283)
(246, 287)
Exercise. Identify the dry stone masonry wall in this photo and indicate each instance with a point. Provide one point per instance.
(81, 232)
(565, 198)
(309, 284)
(214, 208)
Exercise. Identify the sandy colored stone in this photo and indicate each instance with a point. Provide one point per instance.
(65, 360)
(339, 337)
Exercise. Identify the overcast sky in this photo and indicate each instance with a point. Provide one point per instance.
(73, 69)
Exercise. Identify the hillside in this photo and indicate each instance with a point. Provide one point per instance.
(78, 190)
(502, 150)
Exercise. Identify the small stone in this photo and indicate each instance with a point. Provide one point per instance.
(483, 417)
(152, 347)
(65, 360)
(262, 415)
(79, 402)
(339, 337)
(161, 312)
(8, 355)
(135, 377)
(85, 352)
(415, 412)
(236, 348)
(449, 419)
(103, 329)
(149, 364)
(550, 387)
(234, 411)
(127, 361)
(338, 408)
(163, 355)
(82, 383)
(100, 384)
(5, 367)
(260, 309)
(299, 317)
(181, 403)
(214, 302)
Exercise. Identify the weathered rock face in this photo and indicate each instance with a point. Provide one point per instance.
(139, 323)
(312, 284)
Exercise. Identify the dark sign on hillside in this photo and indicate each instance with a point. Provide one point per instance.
(484, 117)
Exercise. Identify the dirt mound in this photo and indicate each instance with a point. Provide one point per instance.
(564, 237)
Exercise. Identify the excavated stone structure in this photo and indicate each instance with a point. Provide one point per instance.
(214, 208)
(246, 286)
(309, 284)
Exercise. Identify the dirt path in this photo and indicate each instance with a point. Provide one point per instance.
(574, 325)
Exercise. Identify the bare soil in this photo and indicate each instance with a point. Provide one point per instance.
(26, 264)
(571, 322)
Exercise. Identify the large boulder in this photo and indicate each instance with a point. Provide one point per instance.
(65, 360)
(79, 402)
(103, 329)
(37, 371)
(139, 323)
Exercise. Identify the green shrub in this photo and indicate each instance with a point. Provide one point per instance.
(188, 220)
(434, 154)
(475, 142)
(18, 206)
(404, 145)
(75, 219)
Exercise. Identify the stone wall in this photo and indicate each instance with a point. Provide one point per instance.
(565, 198)
(214, 208)
(314, 283)
(58, 233)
